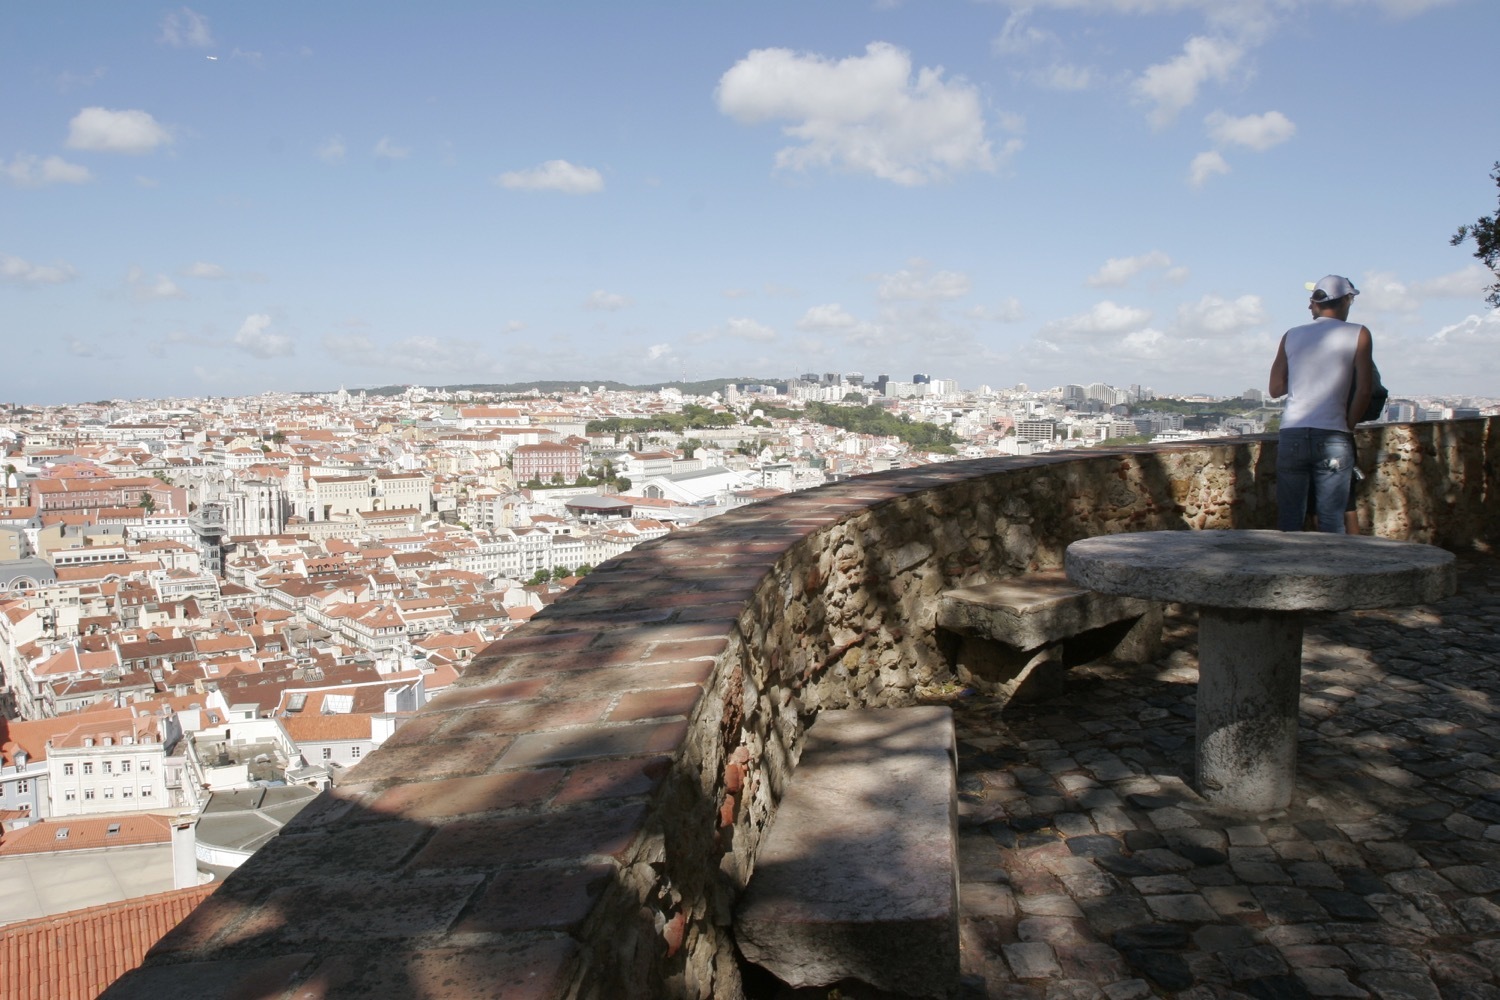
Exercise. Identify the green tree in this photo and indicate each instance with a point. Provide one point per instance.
(622, 483)
(583, 570)
(1485, 232)
(561, 573)
(538, 578)
(148, 503)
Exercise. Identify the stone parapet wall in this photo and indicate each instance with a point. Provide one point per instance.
(576, 817)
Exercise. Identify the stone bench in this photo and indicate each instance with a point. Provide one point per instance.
(858, 876)
(1020, 635)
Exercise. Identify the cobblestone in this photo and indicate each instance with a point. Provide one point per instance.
(1101, 874)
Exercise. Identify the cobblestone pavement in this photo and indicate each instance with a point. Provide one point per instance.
(1091, 869)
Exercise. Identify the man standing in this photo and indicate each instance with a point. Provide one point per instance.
(1315, 368)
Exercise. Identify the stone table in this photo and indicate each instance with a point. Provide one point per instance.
(1251, 588)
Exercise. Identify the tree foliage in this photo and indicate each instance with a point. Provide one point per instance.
(690, 417)
(880, 421)
(1485, 232)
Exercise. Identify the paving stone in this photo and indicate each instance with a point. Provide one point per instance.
(1059, 932)
(1314, 875)
(986, 899)
(1275, 988)
(1325, 982)
(1246, 836)
(1400, 986)
(1480, 915)
(1304, 956)
(1369, 956)
(1090, 885)
(1362, 881)
(1476, 879)
(1470, 991)
(1418, 880)
(1048, 906)
(1260, 873)
(1452, 967)
(1286, 905)
(1232, 901)
(1187, 908)
(1167, 969)
(1437, 913)
(1095, 845)
(1128, 989)
(1158, 884)
(1252, 963)
(1344, 905)
(1032, 960)
(1073, 989)
(1110, 914)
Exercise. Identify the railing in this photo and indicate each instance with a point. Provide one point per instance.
(577, 816)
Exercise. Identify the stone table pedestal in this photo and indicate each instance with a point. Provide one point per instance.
(1251, 588)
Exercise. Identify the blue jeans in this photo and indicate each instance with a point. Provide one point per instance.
(1316, 460)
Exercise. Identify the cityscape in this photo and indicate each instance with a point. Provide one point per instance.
(340, 344)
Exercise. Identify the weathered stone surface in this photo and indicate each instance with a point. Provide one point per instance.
(857, 879)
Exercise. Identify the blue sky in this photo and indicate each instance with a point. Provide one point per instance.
(225, 199)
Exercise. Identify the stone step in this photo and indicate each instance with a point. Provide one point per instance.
(857, 878)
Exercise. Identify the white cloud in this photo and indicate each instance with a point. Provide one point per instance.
(27, 170)
(917, 281)
(1470, 282)
(203, 269)
(256, 340)
(554, 175)
(1172, 86)
(386, 149)
(827, 317)
(104, 131)
(1204, 166)
(1212, 317)
(749, 329)
(1257, 132)
(866, 114)
(1007, 311)
(1063, 76)
(144, 289)
(1383, 291)
(1472, 331)
(1104, 319)
(514, 326)
(602, 301)
(186, 28)
(332, 149)
(15, 271)
(1017, 36)
(1118, 271)
(657, 352)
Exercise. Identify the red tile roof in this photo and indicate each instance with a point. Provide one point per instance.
(75, 955)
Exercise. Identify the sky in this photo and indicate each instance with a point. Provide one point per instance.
(225, 199)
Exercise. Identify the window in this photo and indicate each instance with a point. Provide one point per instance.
(328, 753)
(88, 793)
(354, 753)
(126, 792)
(145, 791)
(88, 767)
(109, 793)
(68, 770)
(70, 795)
(145, 767)
(109, 767)
(22, 787)
(124, 767)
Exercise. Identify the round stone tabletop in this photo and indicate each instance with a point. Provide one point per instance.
(1263, 570)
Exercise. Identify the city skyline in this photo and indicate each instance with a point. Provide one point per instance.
(214, 200)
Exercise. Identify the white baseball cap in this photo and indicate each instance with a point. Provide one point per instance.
(1331, 287)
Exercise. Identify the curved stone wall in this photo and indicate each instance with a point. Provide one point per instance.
(576, 817)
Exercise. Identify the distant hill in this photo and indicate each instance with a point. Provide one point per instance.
(549, 387)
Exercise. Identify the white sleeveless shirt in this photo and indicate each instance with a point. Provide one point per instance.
(1320, 370)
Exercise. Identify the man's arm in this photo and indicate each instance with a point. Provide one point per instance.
(1364, 377)
(1278, 371)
